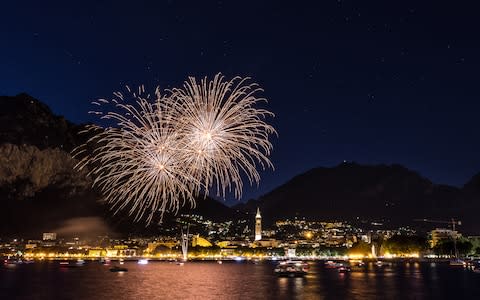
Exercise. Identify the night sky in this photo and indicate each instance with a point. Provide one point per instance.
(376, 82)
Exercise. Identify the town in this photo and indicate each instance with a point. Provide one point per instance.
(246, 239)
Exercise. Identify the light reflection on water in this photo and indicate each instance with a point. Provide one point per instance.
(234, 280)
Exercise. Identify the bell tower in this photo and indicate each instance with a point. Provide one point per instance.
(258, 225)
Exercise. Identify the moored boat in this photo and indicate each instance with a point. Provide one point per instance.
(457, 263)
(12, 262)
(80, 262)
(332, 264)
(67, 264)
(291, 268)
(118, 269)
(344, 269)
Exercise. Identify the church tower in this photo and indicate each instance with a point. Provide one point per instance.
(258, 225)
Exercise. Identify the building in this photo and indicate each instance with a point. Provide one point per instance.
(197, 240)
(442, 234)
(291, 252)
(232, 244)
(270, 243)
(96, 252)
(258, 225)
(49, 236)
(121, 250)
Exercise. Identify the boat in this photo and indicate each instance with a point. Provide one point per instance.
(12, 262)
(291, 268)
(80, 262)
(330, 264)
(476, 270)
(67, 264)
(219, 262)
(142, 262)
(381, 264)
(457, 263)
(344, 269)
(118, 269)
(356, 263)
(106, 262)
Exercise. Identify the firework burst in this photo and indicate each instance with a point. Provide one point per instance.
(223, 132)
(163, 151)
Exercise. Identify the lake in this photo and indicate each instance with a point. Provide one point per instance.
(236, 280)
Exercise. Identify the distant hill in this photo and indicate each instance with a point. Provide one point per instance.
(39, 190)
(389, 194)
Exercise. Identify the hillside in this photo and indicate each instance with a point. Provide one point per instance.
(40, 190)
(389, 194)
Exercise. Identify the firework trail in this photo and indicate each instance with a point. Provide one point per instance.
(161, 153)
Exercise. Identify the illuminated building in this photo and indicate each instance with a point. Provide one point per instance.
(153, 245)
(30, 246)
(120, 250)
(197, 240)
(96, 252)
(291, 252)
(258, 225)
(49, 236)
(442, 234)
(232, 244)
(272, 243)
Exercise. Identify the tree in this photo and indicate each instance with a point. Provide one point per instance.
(304, 250)
(277, 251)
(447, 247)
(360, 248)
(161, 249)
(404, 244)
(476, 251)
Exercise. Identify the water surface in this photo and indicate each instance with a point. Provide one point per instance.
(236, 280)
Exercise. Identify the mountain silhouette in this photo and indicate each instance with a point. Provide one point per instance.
(389, 194)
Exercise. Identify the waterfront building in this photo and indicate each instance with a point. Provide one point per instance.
(291, 252)
(120, 250)
(96, 252)
(168, 243)
(197, 240)
(439, 234)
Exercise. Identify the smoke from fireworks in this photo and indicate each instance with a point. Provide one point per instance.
(163, 152)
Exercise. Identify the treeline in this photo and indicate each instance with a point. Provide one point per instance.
(402, 244)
